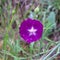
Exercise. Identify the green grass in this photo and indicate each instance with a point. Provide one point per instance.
(13, 47)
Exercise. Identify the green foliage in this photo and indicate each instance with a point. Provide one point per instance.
(56, 3)
(6, 38)
(0, 10)
(3, 1)
(34, 49)
(14, 47)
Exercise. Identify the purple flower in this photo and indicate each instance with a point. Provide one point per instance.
(31, 30)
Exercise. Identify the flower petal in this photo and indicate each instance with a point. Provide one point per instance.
(34, 33)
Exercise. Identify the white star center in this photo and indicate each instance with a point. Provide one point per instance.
(32, 31)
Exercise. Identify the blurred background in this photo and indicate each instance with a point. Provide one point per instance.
(13, 12)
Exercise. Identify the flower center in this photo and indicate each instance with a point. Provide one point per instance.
(32, 31)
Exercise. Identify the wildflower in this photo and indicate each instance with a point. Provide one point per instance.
(31, 30)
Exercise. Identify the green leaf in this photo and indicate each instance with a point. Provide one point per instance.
(6, 38)
(51, 19)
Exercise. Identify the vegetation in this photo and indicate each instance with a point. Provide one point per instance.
(12, 13)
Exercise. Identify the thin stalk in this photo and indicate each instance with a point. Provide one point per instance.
(51, 51)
